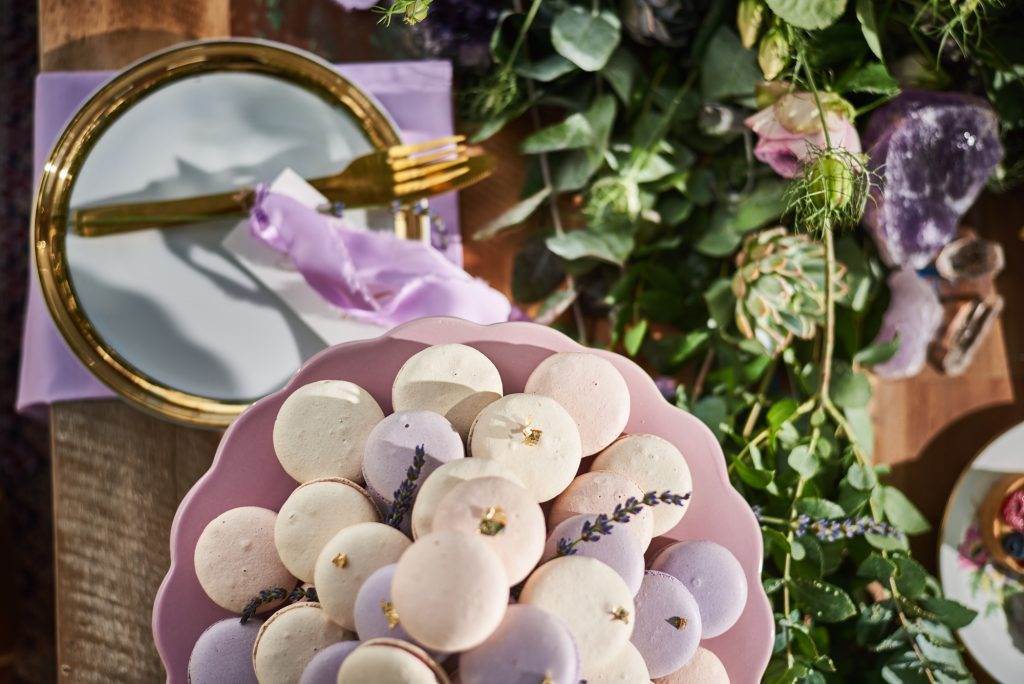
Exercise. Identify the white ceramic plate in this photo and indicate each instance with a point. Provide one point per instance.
(965, 575)
(174, 303)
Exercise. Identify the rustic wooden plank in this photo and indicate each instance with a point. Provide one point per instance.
(107, 34)
(118, 476)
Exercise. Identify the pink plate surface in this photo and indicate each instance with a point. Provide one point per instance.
(245, 472)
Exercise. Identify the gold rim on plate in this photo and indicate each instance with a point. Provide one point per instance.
(52, 205)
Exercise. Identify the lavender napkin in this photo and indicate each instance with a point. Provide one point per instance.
(416, 94)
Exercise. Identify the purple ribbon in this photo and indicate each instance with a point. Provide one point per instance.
(373, 277)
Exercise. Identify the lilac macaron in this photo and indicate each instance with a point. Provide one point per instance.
(323, 668)
(391, 448)
(620, 550)
(530, 644)
(667, 629)
(223, 653)
(714, 577)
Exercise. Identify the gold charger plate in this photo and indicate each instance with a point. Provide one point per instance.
(61, 171)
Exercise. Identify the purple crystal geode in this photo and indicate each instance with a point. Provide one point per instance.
(932, 153)
(914, 315)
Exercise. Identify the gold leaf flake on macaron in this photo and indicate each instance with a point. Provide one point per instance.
(493, 521)
(388, 608)
(340, 561)
(677, 622)
(620, 614)
(547, 680)
(531, 436)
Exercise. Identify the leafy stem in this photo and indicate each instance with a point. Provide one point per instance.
(545, 173)
(905, 623)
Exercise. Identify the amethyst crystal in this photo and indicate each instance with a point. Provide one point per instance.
(933, 153)
(914, 315)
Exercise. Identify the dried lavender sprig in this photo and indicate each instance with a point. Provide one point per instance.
(403, 496)
(604, 524)
(834, 529)
(276, 594)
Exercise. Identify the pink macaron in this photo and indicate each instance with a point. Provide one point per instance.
(601, 492)
(591, 389)
(703, 668)
(503, 515)
(450, 590)
(236, 559)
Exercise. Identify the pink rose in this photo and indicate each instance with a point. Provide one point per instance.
(788, 131)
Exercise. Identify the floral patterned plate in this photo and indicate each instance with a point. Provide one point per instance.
(996, 637)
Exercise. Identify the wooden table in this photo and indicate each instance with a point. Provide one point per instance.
(118, 475)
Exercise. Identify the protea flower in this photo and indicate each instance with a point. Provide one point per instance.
(671, 23)
(780, 288)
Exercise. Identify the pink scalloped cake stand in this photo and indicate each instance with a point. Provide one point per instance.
(245, 472)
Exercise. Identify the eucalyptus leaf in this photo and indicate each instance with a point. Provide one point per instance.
(780, 412)
(634, 336)
(950, 613)
(808, 14)
(728, 70)
(880, 352)
(514, 215)
(757, 478)
(621, 72)
(902, 513)
(876, 567)
(557, 303)
(911, 577)
(819, 508)
(613, 247)
(869, 26)
(573, 132)
(803, 461)
(863, 430)
(823, 601)
(712, 411)
(850, 388)
(721, 302)
(586, 38)
(546, 69)
(764, 204)
(861, 477)
(871, 78)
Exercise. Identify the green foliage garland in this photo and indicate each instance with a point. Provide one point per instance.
(648, 208)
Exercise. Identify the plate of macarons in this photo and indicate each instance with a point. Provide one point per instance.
(455, 503)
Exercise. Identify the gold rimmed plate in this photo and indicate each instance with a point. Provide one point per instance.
(169, 319)
(967, 569)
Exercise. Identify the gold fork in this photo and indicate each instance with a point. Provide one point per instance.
(403, 173)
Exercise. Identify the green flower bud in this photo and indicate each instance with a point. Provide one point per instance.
(749, 17)
(773, 53)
